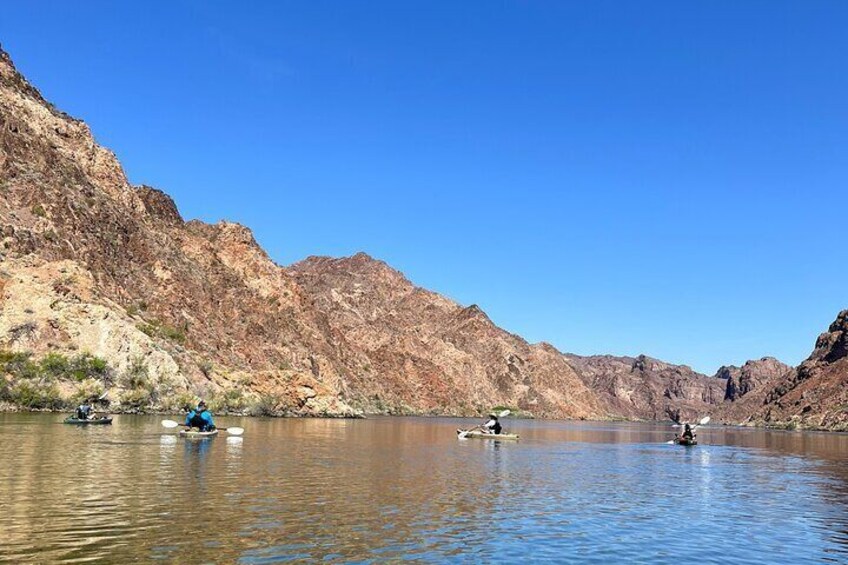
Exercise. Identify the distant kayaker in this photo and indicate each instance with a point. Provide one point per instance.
(688, 435)
(84, 410)
(200, 418)
(492, 426)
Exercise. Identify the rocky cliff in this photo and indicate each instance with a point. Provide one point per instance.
(94, 265)
(425, 352)
(815, 394)
(751, 376)
(105, 288)
(646, 388)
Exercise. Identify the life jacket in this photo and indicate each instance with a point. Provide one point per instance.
(83, 412)
(497, 427)
(196, 420)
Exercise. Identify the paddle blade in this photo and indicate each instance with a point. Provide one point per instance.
(462, 434)
(503, 413)
(169, 423)
(235, 431)
(704, 421)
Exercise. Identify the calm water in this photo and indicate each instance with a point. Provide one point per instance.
(390, 489)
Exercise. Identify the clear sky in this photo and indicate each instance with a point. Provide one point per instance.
(611, 177)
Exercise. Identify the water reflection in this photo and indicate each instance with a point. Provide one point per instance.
(387, 489)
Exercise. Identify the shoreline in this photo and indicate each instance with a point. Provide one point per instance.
(791, 426)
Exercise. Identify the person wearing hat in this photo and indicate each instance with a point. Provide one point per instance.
(492, 426)
(200, 418)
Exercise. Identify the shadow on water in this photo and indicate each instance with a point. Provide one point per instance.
(385, 489)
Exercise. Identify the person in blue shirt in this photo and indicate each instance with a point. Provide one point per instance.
(200, 418)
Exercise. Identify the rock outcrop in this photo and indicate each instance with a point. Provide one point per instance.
(646, 388)
(424, 353)
(814, 395)
(752, 375)
(92, 263)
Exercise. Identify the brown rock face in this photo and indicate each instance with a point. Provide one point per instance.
(815, 394)
(206, 310)
(752, 375)
(424, 352)
(647, 388)
(112, 269)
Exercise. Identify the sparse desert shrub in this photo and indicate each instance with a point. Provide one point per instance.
(87, 389)
(136, 398)
(266, 405)
(22, 330)
(231, 400)
(181, 402)
(136, 376)
(80, 367)
(205, 367)
(18, 364)
(87, 366)
(54, 365)
(174, 334)
(155, 328)
(36, 397)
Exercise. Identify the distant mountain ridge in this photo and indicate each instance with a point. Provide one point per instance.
(92, 265)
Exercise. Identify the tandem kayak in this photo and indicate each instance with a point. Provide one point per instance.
(92, 421)
(484, 435)
(194, 434)
(687, 442)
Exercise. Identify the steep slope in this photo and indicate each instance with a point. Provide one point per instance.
(94, 265)
(431, 354)
(646, 388)
(751, 376)
(814, 395)
(201, 308)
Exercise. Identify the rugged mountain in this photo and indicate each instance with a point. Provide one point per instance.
(105, 287)
(815, 394)
(752, 375)
(93, 264)
(429, 353)
(646, 388)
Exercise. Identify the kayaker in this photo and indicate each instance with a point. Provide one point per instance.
(84, 410)
(200, 418)
(688, 434)
(492, 426)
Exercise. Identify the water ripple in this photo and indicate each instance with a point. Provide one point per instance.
(384, 490)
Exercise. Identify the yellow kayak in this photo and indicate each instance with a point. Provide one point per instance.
(484, 435)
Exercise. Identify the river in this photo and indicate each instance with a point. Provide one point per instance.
(390, 489)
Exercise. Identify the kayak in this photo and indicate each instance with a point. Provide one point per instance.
(484, 435)
(687, 442)
(93, 421)
(194, 434)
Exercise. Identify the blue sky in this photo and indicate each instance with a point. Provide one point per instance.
(611, 177)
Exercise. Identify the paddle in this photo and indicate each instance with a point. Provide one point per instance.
(702, 422)
(464, 433)
(231, 430)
